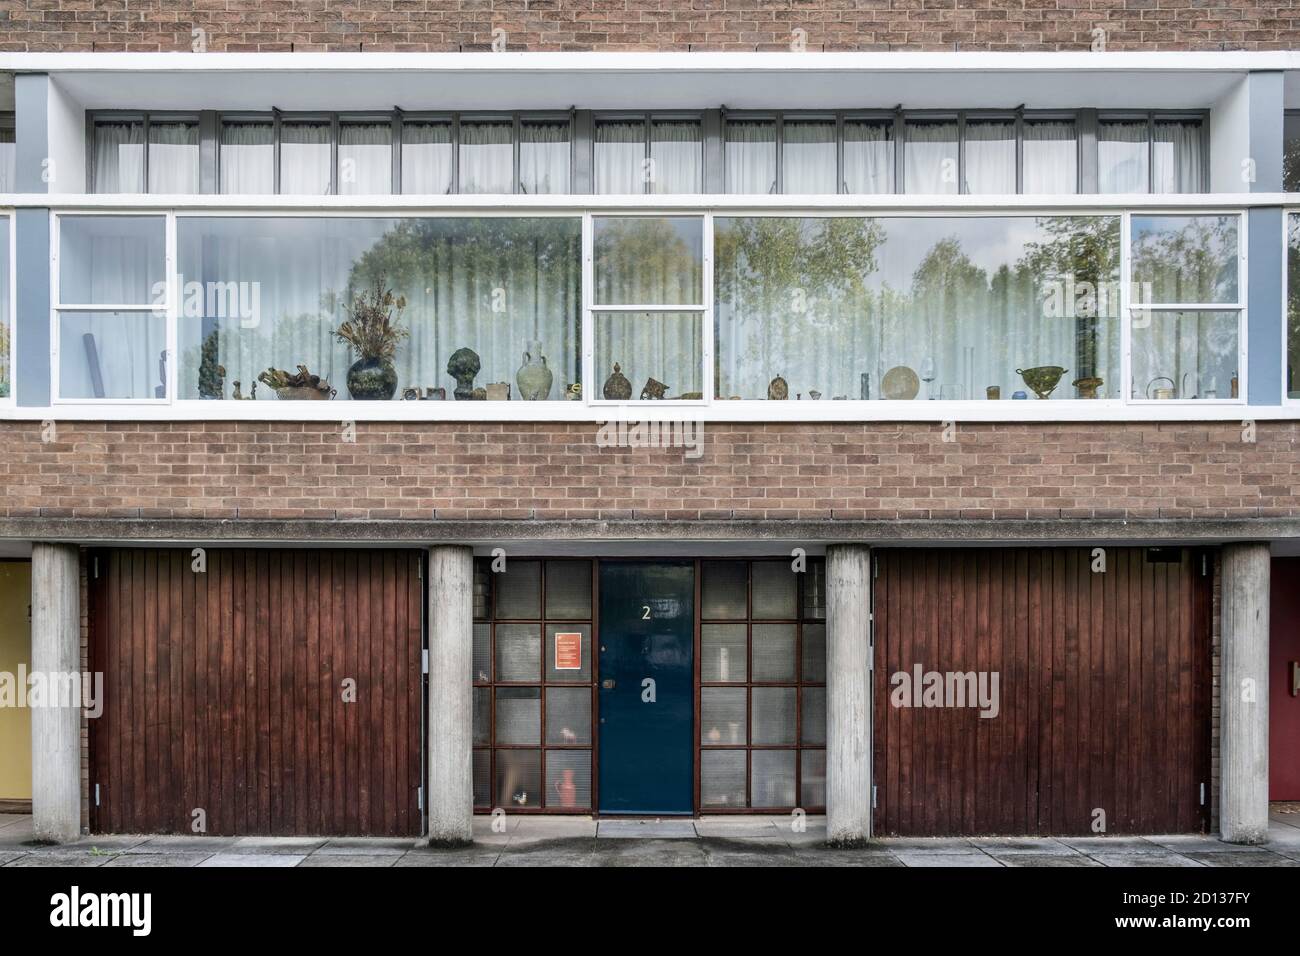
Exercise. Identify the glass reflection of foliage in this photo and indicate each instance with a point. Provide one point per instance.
(647, 261)
(1293, 304)
(1291, 164)
(1184, 259)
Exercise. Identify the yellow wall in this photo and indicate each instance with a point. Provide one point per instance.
(15, 646)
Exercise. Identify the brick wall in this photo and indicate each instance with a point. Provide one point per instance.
(448, 25)
(463, 471)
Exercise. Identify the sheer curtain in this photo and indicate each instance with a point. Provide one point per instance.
(8, 161)
(868, 158)
(365, 158)
(426, 158)
(990, 157)
(751, 156)
(1051, 158)
(544, 157)
(677, 154)
(248, 158)
(1122, 157)
(173, 157)
(930, 158)
(305, 159)
(665, 346)
(620, 157)
(119, 157)
(808, 158)
(487, 157)
(1178, 156)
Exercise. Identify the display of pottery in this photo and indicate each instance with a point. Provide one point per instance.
(900, 384)
(617, 387)
(574, 392)
(463, 365)
(1042, 379)
(478, 395)
(373, 333)
(498, 391)
(814, 394)
(430, 394)
(654, 390)
(297, 386)
(372, 379)
(778, 390)
(534, 378)
(1087, 386)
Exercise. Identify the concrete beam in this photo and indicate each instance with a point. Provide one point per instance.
(451, 706)
(56, 729)
(848, 694)
(1243, 725)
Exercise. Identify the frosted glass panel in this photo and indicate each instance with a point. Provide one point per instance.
(773, 652)
(722, 778)
(519, 652)
(814, 653)
(568, 779)
(724, 590)
(555, 674)
(722, 653)
(812, 723)
(482, 778)
(774, 590)
(722, 715)
(482, 652)
(773, 715)
(519, 715)
(568, 590)
(519, 591)
(482, 716)
(519, 779)
(812, 779)
(773, 778)
(568, 716)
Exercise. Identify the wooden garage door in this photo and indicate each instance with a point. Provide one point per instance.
(1104, 691)
(225, 692)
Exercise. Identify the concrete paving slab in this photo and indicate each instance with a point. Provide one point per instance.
(8, 856)
(912, 858)
(1239, 859)
(17, 833)
(479, 855)
(59, 858)
(253, 859)
(372, 844)
(549, 853)
(554, 828)
(1143, 859)
(1019, 844)
(642, 829)
(749, 853)
(825, 856)
(183, 844)
(278, 844)
(737, 827)
(1110, 844)
(372, 860)
(939, 844)
(1181, 843)
(652, 852)
(157, 860)
(1045, 859)
(109, 841)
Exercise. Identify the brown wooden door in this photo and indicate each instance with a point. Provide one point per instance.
(1104, 692)
(225, 692)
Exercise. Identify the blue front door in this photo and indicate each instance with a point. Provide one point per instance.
(647, 683)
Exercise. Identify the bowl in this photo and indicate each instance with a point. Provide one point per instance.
(1042, 379)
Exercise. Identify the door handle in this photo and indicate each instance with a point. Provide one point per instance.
(607, 683)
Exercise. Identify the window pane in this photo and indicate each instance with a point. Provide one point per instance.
(812, 720)
(305, 159)
(482, 778)
(724, 590)
(482, 721)
(722, 715)
(519, 591)
(111, 260)
(568, 716)
(773, 652)
(8, 161)
(1291, 153)
(519, 652)
(621, 165)
(814, 653)
(1293, 306)
(723, 653)
(651, 349)
(365, 158)
(812, 778)
(1184, 259)
(868, 157)
(808, 157)
(773, 778)
(568, 590)
(119, 157)
(1122, 157)
(173, 157)
(1179, 157)
(248, 158)
(751, 156)
(930, 158)
(568, 779)
(774, 715)
(1051, 158)
(544, 157)
(583, 673)
(519, 779)
(991, 157)
(774, 590)
(6, 321)
(1185, 355)
(676, 157)
(111, 355)
(426, 158)
(273, 290)
(722, 778)
(519, 716)
(487, 157)
(649, 261)
(829, 307)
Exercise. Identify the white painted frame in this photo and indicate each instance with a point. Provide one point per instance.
(11, 263)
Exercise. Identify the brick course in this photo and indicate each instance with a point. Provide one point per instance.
(612, 25)
(467, 471)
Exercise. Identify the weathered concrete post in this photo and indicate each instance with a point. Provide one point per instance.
(56, 728)
(451, 668)
(1243, 742)
(848, 692)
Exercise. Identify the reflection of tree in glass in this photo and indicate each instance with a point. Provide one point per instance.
(645, 262)
(1293, 302)
(1194, 263)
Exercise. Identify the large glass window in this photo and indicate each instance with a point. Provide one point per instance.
(426, 158)
(648, 154)
(487, 156)
(305, 158)
(173, 156)
(808, 157)
(1050, 157)
(119, 157)
(365, 157)
(930, 157)
(248, 157)
(750, 156)
(118, 165)
(868, 157)
(454, 308)
(1151, 155)
(990, 160)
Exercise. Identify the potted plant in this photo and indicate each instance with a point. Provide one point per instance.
(373, 333)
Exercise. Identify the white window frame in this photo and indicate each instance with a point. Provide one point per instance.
(11, 263)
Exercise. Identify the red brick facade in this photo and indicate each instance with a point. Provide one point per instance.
(681, 25)
(460, 471)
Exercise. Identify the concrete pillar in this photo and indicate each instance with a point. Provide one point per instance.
(56, 730)
(848, 694)
(1243, 721)
(451, 712)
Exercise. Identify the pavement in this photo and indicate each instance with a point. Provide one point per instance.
(709, 841)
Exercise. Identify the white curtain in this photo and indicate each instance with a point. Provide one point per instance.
(8, 162)
(487, 158)
(868, 158)
(1178, 166)
(990, 157)
(365, 159)
(620, 157)
(808, 158)
(426, 158)
(930, 158)
(750, 156)
(247, 158)
(1196, 351)
(677, 154)
(1122, 157)
(305, 159)
(173, 157)
(119, 157)
(1051, 158)
(665, 346)
(544, 157)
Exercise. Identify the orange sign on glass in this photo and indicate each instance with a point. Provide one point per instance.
(568, 651)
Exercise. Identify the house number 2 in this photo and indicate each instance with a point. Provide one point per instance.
(646, 609)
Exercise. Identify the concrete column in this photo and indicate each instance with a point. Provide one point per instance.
(56, 730)
(451, 713)
(1243, 722)
(848, 693)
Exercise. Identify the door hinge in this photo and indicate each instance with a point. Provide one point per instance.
(1202, 793)
(96, 794)
(419, 798)
(873, 796)
(424, 661)
(875, 566)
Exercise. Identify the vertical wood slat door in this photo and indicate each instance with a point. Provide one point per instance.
(225, 692)
(1104, 702)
